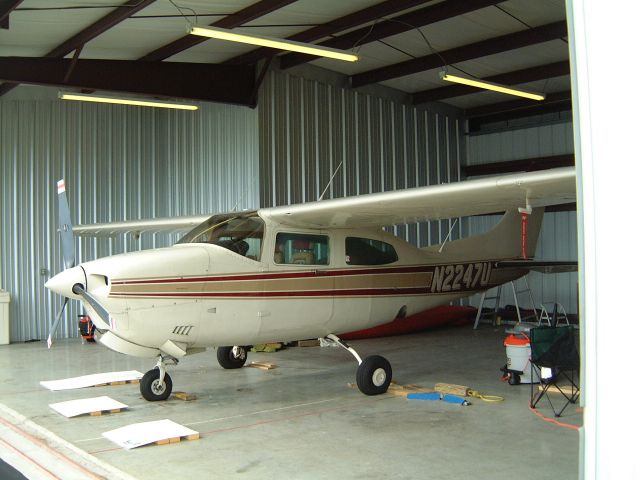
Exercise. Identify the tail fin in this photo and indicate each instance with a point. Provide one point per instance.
(504, 241)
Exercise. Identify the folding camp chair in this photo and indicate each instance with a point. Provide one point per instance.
(554, 351)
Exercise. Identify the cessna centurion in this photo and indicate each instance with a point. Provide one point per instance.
(312, 270)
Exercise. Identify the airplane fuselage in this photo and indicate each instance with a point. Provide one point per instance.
(290, 284)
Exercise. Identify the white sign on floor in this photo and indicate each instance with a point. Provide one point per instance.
(139, 434)
(91, 380)
(73, 408)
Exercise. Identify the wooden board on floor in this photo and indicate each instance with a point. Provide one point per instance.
(160, 432)
(262, 365)
(95, 406)
(167, 441)
(563, 389)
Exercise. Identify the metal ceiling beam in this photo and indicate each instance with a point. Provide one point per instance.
(245, 15)
(555, 103)
(341, 24)
(524, 165)
(198, 81)
(110, 20)
(491, 46)
(513, 105)
(515, 77)
(6, 7)
(386, 28)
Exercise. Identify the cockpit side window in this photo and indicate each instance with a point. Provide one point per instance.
(301, 249)
(365, 251)
(240, 233)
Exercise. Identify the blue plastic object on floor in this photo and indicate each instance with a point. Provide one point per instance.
(454, 399)
(438, 396)
(424, 396)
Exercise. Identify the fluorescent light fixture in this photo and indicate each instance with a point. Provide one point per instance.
(125, 101)
(491, 86)
(224, 34)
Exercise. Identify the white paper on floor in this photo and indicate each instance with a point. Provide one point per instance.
(73, 408)
(139, 434)
(91, 380)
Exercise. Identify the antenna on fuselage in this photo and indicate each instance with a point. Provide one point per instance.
(244, 195)
(330, 180)
(448, 235)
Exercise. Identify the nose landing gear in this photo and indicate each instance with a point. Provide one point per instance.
(156, 384)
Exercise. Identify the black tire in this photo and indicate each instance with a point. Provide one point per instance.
(228, 360)
(374, 375)
(514, 379)
(150, 388)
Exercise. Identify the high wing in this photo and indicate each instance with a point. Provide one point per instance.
(435, 202)
(139, 226)
(471, 197)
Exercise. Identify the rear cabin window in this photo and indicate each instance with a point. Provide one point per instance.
(365, 251)
(301, 249)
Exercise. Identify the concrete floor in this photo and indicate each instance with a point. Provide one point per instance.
(300, 420)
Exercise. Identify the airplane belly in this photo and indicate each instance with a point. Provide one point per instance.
(161, 320)
(230, 321)
(295, 319)
(296, 305)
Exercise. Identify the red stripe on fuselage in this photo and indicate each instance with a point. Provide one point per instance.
(279, 275)
(365, 292)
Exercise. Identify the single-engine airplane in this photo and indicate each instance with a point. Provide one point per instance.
(312, 270)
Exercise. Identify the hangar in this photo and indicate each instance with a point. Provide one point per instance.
(276, 128)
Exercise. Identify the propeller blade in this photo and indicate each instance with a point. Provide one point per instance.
(55, 324)
(66, 233)
(78, 289)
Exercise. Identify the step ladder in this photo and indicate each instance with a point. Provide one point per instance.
(558, 312)
(516, 293)
(491, 313)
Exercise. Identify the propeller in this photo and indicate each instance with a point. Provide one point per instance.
(68, 253)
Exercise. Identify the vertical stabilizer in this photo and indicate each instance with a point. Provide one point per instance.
(504, 241)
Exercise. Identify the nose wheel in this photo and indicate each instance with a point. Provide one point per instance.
(373, 376)
(156, 384)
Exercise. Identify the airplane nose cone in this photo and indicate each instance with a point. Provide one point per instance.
(63, 282)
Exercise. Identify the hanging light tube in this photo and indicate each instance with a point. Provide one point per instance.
(224, 34)
(125, 101)
(491, 86)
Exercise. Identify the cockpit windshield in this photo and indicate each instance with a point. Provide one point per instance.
(241, 233)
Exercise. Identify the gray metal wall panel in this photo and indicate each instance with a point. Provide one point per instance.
(120, 163)
(516, 144)
(558, 238)
(383, 145)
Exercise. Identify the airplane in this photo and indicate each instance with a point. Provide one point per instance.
(311, 270)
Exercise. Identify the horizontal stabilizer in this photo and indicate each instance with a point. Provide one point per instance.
(540, 266)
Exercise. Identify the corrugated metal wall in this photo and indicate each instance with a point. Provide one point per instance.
(308, 128)
(120, 163)
(516, 144)
(558, 238)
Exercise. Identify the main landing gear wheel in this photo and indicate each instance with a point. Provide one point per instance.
(152, 388)
(232, 357)
(373, 375)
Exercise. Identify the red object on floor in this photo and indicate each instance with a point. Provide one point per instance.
(435, 317)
